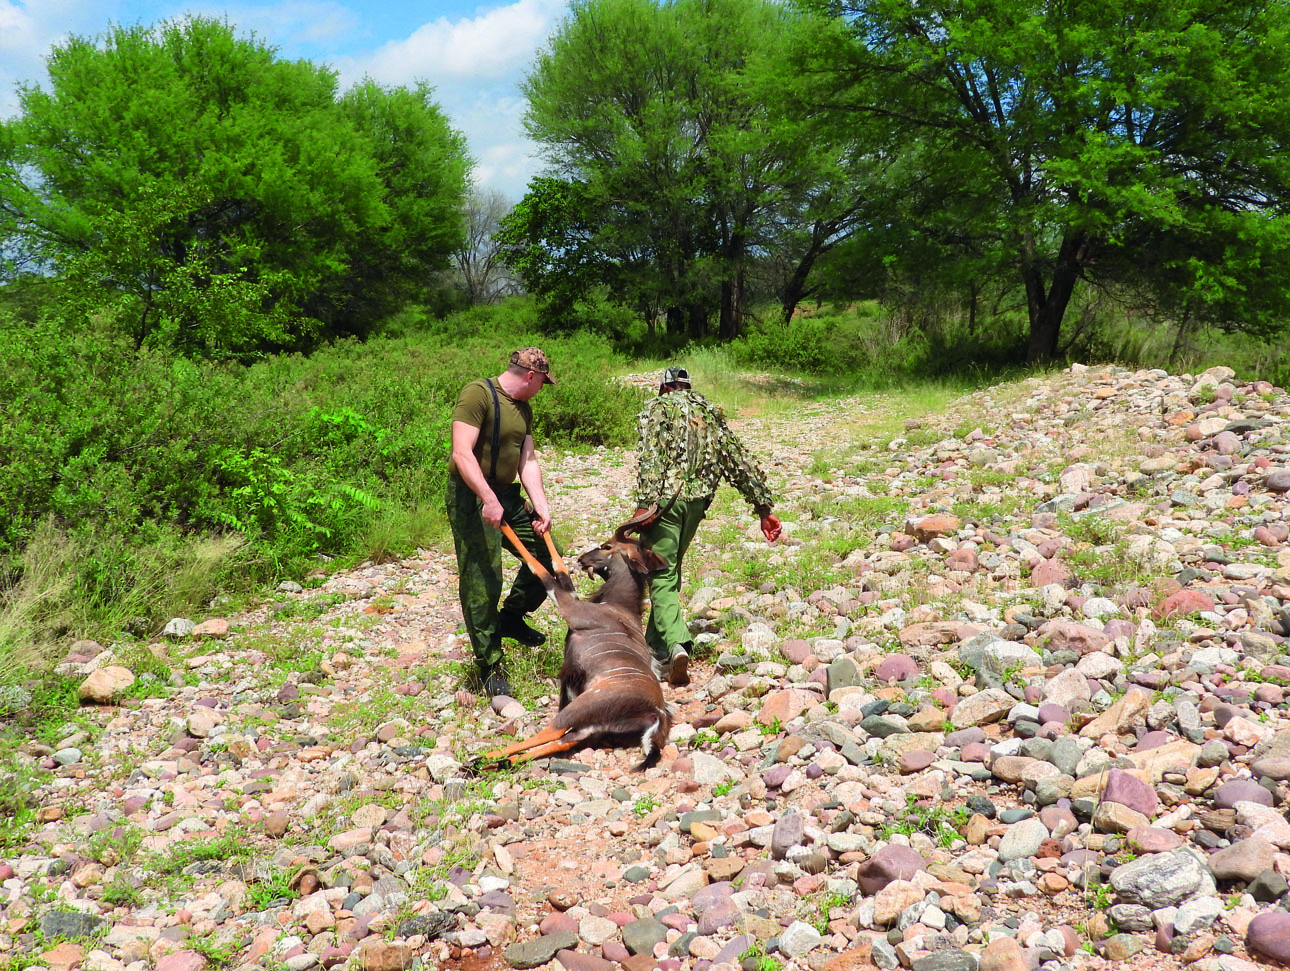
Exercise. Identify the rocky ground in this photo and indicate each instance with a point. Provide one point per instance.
(1009, 694)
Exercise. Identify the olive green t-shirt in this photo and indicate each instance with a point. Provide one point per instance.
(475, 407)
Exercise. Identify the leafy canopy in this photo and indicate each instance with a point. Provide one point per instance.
(209, 196)
(675, 166)
(1067, 137)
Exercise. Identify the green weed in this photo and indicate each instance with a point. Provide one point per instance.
(262, 894)
(219, 953)
(310, 609)
(231, 846)
(935, 821)
(117, 845)
(121, 891)
(826, 906)
(645, 804)
(756, 959)
(17, 799)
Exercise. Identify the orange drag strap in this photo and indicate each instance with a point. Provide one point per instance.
(557, 561)
(529, 559)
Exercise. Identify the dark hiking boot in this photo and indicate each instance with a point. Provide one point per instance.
(495, 683)
(513, 626)
(679, 673)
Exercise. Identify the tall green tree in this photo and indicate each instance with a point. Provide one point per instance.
(664, 120)
(220, 200)
(1064, 137)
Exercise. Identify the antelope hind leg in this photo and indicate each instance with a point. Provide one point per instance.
(547, 748)
(547, 735)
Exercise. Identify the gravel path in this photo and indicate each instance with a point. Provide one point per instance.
(1009, 694)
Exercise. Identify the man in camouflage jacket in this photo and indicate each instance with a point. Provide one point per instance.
(684, 451)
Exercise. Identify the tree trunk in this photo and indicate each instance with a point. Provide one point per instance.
(698, 320)
(795, 288)
(1047, 309)
(677, 320)
(732, 306)
(1180, 340)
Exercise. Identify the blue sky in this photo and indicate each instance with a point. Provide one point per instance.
(474, 54)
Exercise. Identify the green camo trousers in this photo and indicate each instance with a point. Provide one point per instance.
(670, 537)
(479, 565)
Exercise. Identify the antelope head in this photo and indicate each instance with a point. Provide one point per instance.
(624, 545)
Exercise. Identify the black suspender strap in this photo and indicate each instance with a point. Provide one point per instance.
(497, 430)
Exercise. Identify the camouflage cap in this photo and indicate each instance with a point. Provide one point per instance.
(676, 375)
(532, 359)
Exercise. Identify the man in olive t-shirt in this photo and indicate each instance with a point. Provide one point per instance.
(492, 457)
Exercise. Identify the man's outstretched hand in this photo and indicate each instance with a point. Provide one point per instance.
(771, 527)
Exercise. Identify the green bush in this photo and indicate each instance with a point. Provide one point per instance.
(875, 346)
(135, 455)
(808, 345)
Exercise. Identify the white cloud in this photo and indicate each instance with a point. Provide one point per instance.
(283, 25)
(495, 45)
(475, 66)
(26, 34)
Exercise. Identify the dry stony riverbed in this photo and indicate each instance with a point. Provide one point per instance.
(1011, 693)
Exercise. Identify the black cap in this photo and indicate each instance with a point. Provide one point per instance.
(676, 375)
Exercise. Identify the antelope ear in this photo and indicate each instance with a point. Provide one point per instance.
(652, 562)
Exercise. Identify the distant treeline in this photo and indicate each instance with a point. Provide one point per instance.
(183, 186)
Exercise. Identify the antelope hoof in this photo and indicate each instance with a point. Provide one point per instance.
(485, 762)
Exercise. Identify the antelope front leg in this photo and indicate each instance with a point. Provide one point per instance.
(563, 582)
(563, 578)
(529, 559)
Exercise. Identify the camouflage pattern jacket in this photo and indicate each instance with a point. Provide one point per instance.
(684, 450)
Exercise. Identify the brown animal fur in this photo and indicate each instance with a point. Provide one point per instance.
(608, 684)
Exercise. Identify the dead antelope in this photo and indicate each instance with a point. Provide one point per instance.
(608, 684)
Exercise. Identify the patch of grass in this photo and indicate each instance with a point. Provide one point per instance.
(117, 845)
(941, 825)
(47, 709)
(310, 609)
(377, 707)
(231, 846)
(1100, 896)
(300, 651)
(533, 670)
(826, 906)
(645, 804)
(121, 891)
(20, 962)
(32, 614)
(17, 799)
(460, 849)
(704, 737)
(56, 713)
(261, 894)
(757, 959)
(219, 950)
